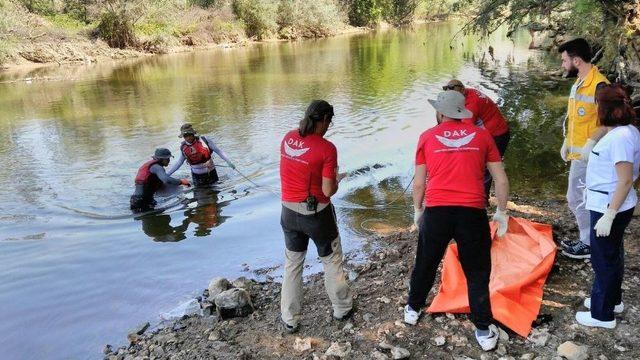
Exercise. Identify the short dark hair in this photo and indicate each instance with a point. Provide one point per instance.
(577, 47)
(317, 111)
(614, 106)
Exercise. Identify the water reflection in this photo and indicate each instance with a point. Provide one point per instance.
(76, 141)
(158, 227)
(204, 210)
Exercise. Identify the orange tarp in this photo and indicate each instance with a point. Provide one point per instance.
(520, 263)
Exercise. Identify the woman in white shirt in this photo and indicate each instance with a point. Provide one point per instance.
(613, 166)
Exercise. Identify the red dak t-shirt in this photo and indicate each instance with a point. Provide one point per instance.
(456, 154)
(486, 113)
(304, 161)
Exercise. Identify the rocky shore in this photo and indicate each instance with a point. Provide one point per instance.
(241, 318)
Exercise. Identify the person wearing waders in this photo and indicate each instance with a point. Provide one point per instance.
(196, 150)
(453, 155)
(309, 177)
(487, 115)
(581, 133)
(150, 178)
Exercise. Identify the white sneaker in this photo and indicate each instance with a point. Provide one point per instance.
(618, 309)
(410, 316)
(488, 342)
(584, 318)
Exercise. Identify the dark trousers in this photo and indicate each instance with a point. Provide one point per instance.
(470, 229)
(607, 260)
(320, 227)
(502, 141)
(205, 179)
(139, 203)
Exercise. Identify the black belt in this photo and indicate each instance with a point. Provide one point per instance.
(599, 191)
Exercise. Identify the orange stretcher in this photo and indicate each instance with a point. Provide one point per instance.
(520, 264)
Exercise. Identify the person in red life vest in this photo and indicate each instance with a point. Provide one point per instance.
(309, 177)
(150, 178)
(453, 155)
(196, 150)
(485, 114)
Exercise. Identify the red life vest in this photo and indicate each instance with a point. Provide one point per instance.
(196, 153)
(142, 178)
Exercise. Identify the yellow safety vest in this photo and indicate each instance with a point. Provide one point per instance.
(582, 112)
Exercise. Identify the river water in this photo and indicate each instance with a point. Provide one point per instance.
(77, 270)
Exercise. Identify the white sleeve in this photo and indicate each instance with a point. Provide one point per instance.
(176, 165)
(216, 150)
(622, 148)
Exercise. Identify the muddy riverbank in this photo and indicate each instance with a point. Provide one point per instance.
(376, 330)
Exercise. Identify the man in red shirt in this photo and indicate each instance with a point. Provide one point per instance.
(309, 177)
(453, 155)
(485, 114)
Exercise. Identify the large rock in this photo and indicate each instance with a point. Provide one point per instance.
(573, 351)
(135, 335)
(242, 283)
(339, 350)
(302, 345)
(377, 355)
(439, 340)
(539, 337)
(400, 353)
(218, 285)
(504, 337)
(232, 303)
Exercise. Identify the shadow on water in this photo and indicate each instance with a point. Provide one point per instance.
(204, 210)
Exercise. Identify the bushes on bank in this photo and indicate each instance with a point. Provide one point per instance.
(116, 26)
(152, 24)
(205, 4)
(40, 7)
(259, 17)
(365, 12)
(400, 12)
(307, 19)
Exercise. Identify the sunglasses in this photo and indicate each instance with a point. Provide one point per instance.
(450, 87)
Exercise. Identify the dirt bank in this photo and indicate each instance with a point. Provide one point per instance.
(54, 49)
(380, 287)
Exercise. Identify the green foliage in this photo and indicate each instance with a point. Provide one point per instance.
(365, 12)
(436, 9)
(153, 28)
(78, 9)
(66, 21)
(306, 19)
(116, 27)
(205, 4)
(400, 12)
(5, 47)
(41, 7)
(5, 41)
(259, 16)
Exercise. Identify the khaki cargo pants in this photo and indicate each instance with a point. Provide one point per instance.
(299, 226)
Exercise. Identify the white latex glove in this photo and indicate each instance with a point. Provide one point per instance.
(417, 216)
(502, 219)
(603, 226)
(586, 150)
(564, 151)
